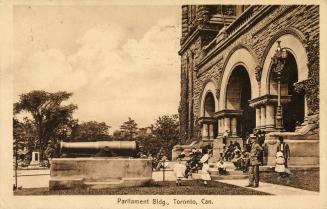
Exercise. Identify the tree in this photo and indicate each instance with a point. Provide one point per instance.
(165, 135)
(166, 131)
(92, 131)
(24, 135)
(129, 129)
(47, 111)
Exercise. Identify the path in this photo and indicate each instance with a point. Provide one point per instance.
(271, 188)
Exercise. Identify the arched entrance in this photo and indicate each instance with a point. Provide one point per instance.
(209, 105)
(294, 108)
(207, 120)
(238, 95)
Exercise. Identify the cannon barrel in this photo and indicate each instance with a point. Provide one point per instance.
(120, 148)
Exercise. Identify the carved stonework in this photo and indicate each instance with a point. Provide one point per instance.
(258, 72)
(229, 10)
(299, 86)
(217, 93)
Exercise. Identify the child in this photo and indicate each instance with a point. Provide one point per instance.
(179, 171)
(221, 167)
(280, 163)
(205, 173)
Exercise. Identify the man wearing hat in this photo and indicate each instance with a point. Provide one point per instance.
(256, 149)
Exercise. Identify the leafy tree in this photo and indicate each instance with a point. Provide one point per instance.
(129, 129)
(165, 135)
(92, 131)
(48, 113)
(166, 131)
(150, 143)
(24, 135)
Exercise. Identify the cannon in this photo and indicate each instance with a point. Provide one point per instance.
(99, 149)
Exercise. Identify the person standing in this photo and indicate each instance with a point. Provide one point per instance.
(256, 149)
(179, 171)
(284, 148)
(280, 163)
(225, 136)
(205, 173)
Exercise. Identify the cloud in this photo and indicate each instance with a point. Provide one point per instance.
(48, 70)
(112, 75)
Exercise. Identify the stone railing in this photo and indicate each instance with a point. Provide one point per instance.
(241, 20)
(233, 25)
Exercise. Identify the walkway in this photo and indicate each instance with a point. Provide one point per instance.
(270, 188)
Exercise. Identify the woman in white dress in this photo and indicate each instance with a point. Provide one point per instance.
(179, 171)
(205, 173)
(280, 163)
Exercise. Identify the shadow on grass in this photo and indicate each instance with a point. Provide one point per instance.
(308, 180)
(192, 187)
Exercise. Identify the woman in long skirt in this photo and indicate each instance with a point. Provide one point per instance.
(205, 173)
(280, 163)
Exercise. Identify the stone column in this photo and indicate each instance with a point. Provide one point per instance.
(257, 117)
(211, 131)
(205, 131)
(234, 126)
(305, 109)
(219, 127)
(263, 117)
(270, 117)
(227, 124)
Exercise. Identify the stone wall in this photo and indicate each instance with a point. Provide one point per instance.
(302, 21)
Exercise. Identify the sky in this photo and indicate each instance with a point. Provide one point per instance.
(119, 61)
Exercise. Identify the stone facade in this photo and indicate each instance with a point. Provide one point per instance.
(219, 40)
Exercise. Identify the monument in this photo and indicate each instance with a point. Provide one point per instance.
(98, 165)
(35, 162)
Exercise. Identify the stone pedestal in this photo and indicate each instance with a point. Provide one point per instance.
(97, 173)
(303, 152)
(35, 162)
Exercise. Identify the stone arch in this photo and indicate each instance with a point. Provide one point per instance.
(293, 42)
(240, 56)
(208, 87)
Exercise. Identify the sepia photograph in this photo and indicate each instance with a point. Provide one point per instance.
(203, 100)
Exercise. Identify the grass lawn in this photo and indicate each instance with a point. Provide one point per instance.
(192, 187)
(308, 180)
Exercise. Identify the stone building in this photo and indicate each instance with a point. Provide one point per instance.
(246, 67)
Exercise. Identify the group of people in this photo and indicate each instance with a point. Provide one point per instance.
(282, 156)
(198, 159)
(248, 159)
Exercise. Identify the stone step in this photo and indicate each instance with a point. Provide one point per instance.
(230, 172)
(221, 177)
(229, 177)
(103, 184)
(64, 183)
